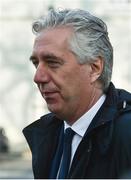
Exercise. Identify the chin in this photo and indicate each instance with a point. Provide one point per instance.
(57, 112)
(54, 109)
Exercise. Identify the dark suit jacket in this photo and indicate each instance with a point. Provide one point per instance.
(104, 152)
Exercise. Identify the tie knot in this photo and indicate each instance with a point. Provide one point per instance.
(68, 135)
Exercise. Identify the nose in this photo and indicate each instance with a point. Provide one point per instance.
(41, 75)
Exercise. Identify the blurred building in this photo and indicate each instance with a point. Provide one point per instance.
(20, 102)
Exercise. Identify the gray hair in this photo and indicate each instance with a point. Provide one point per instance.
(90, 39)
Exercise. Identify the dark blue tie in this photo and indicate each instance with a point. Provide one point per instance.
(64, 167)
(57, 157)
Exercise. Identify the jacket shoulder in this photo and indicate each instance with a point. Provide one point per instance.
(123, 119)
(40, 128)
(43, 121)
(123, 124)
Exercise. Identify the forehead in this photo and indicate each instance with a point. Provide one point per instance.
(57, 37)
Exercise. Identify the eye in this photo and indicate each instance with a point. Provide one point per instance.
(35, 63)
(53, 63)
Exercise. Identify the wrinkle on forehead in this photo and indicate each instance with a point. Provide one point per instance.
(58, 35)
(52, 41)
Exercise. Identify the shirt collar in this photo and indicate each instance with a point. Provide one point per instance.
(81, 125)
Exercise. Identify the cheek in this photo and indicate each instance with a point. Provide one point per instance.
(71, 86)
(70, 81)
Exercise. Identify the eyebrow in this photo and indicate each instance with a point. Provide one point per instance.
(32, 58)
(46, 56)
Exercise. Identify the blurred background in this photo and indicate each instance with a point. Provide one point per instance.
(20, 102)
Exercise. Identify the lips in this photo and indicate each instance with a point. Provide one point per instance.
(49, 94)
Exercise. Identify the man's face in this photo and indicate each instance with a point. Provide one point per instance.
(63, 82)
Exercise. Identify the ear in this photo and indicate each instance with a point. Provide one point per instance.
(96, 69)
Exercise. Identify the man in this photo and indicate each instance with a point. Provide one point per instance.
(73, 57)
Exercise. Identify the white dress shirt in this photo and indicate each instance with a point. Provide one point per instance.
(81, 125)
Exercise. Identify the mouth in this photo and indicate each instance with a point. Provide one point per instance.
(51, 97)
(49, 94)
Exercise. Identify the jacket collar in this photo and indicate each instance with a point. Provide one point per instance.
(108, 110)
(117, 101)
